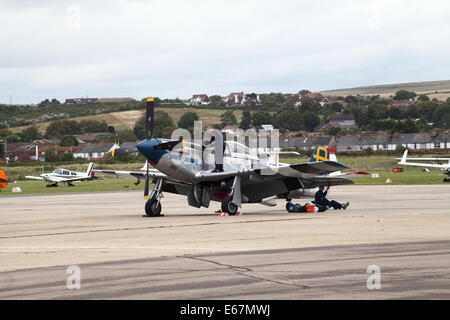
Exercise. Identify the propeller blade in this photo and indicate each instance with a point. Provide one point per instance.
(149, 117)
(149, 121)
(168, 145)
(147, 182)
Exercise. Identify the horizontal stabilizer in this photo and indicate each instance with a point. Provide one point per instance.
(319, 168)
(330, 181)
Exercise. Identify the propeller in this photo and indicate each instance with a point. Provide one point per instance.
(168, 145)
(149, 121)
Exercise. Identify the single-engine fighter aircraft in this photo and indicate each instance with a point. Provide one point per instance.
(3, 180)
(65, 176)
(437, 163)
(243, 180)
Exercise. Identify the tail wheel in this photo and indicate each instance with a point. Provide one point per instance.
(229, 207)
(153, 208)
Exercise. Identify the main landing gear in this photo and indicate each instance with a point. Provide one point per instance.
(229, 207)
(52, 185)
(153, 206)
(231, 204)
(446, 179)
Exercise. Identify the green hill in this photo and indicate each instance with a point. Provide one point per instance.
(433, 89)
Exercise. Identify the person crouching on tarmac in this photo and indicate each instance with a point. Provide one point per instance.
(321, 200)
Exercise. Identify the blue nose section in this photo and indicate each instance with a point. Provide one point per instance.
(147, 149)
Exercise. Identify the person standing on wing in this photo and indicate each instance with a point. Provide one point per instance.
(320, 199)
(219, 146)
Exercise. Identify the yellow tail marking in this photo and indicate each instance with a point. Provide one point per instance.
(318, 157)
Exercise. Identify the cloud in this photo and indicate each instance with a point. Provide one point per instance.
(176, 48)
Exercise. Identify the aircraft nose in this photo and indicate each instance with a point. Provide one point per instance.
(146, 148)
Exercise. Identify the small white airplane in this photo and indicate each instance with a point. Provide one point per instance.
(437, 163)
(66, 176)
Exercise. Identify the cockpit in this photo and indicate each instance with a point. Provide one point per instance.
(64, 172)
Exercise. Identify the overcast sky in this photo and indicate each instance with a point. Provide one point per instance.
(175, 48)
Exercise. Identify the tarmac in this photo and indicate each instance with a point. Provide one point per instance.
(265, 253)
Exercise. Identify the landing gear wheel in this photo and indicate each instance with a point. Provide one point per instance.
(446, 179)
(153, 208)
(229, 207)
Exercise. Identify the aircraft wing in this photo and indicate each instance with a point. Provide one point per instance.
(326, 181)
(59, 179)
(49, 178)
(294, 170)
(424, 165)
(132, 174)
(217, 176)
(35, 178)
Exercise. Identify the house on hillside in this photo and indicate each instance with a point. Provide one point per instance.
(390, 142)
(296, 98)
(35, 150)
(251, 101)
(348, 144)
(324, 101)
(402, 103)
(199, 99)
(342, 121)
(326, 141)
(235, 99)
(308, 142)
(314, 96)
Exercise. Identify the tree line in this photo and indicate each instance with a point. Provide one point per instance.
(370, 113)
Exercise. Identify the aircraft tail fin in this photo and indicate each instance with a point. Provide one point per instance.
(322, 154)
(404, 157)
(89, 169)
(332, 156)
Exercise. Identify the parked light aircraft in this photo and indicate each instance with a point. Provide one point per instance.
(438, 163)
(248, 179)
(65, 176)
